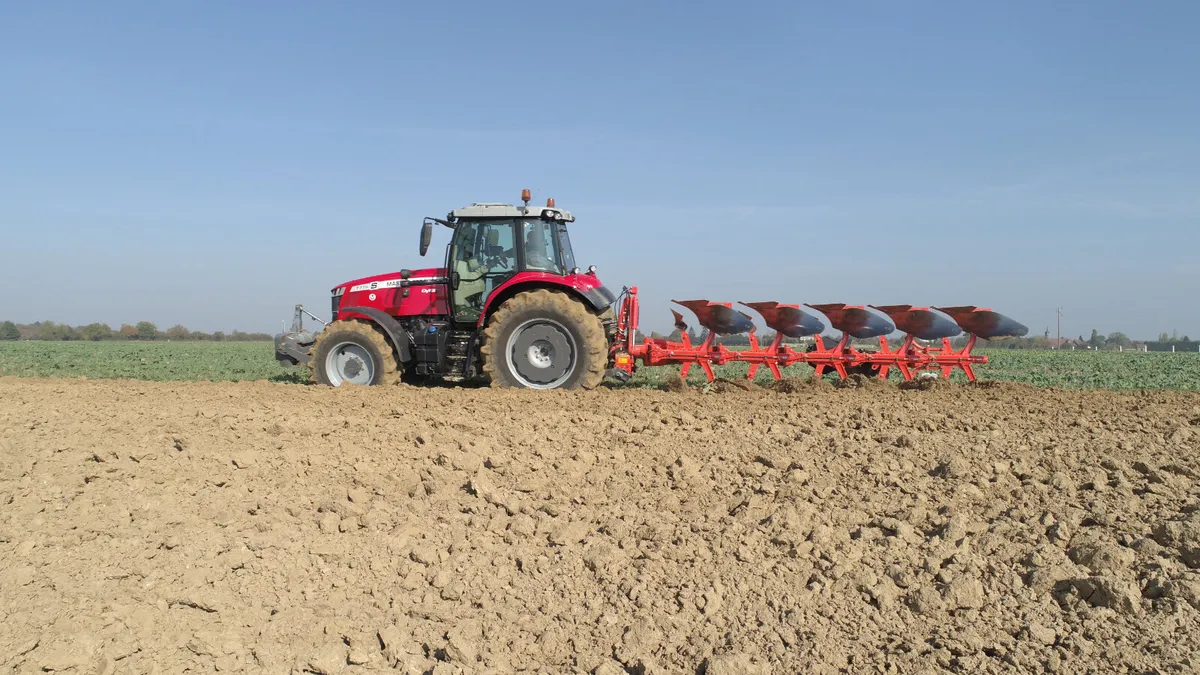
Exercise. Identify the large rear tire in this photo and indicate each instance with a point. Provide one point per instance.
(353, 353)
(543, 339)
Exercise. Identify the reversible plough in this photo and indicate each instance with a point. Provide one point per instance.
(926, 345)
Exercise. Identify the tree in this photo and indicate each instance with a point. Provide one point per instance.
(96, 332)
(1185, 339)
(146, 330)
(8, 331)
(178, 332)
(1119, 339)
(218, 336)
(1096, 340)
(128, 332)
(1163, 337)
(48, 330)
(198, 335)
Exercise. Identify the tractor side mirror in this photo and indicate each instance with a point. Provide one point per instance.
(426, 236)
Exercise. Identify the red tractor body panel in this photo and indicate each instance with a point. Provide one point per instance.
(428, 294)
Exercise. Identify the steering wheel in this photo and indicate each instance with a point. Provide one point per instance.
(495, 260)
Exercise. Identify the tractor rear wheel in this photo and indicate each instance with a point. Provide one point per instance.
(353, 352)
(544, 339)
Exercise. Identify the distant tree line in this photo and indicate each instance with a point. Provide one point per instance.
(1097, 341)
(99, 332)
(147, 331)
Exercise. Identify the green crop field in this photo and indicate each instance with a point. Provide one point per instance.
(233, 361)
(1095, 370)
(217, 361)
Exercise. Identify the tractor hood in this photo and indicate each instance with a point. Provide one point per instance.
(429, 275)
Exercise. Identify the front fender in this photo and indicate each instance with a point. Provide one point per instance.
(390, 326)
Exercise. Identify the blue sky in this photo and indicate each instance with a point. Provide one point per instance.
(213, 163)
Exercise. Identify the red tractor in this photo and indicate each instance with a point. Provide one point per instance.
(509, 303)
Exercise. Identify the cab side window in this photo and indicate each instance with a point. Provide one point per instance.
(498, 252)
(539, 247)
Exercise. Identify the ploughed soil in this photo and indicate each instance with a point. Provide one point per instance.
(201, 527)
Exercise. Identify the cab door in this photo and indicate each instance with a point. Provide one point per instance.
(481, 257)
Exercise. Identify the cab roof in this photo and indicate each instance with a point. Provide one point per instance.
(480, 210)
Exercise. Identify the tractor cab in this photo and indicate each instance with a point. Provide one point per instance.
(494, 243)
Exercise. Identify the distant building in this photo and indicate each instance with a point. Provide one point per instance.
(1068, 343)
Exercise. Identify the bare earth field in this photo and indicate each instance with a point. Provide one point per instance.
(205, 527)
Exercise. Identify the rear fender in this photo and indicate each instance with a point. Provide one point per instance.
(389, 326)
(596, 297)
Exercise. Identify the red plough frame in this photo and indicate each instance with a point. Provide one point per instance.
(911, 357)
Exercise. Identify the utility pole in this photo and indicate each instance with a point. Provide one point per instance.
(1058, 339)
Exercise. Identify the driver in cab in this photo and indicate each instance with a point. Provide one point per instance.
(535, 249)
(472, 268)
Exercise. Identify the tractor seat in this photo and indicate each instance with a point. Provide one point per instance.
(470, 281)
(492, 247)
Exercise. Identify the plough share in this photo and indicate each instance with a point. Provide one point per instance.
(926, 345)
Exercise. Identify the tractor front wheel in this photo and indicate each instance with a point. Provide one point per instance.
(544, 339)
(353, 352)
